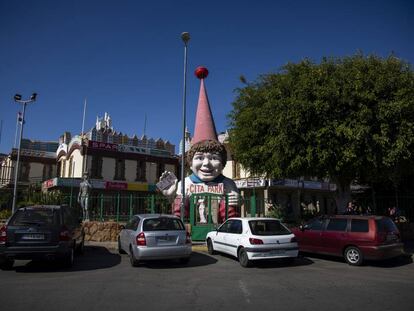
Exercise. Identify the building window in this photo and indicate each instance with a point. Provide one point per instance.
(236, 170)
(24, 171)
(62, 173)
(70, 167)
(119, 169)
(141, 171)
(96, 167)
(160, 169)
(47, 171)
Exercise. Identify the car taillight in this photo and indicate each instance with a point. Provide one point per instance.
(141, 239)
(64, 234)
(293, 240)
(188, 238)
(3, 235)
(254, 241)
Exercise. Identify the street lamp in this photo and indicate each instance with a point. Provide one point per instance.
(185, 36)
(18, 99)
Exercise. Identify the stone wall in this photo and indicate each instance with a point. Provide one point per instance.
(101, 231)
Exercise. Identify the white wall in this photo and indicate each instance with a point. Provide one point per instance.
(151, 172)
(108, 168)
(36, 171)
(130, 170)
(77, 162)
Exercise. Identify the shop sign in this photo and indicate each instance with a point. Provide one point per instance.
(312, 185)
(111, 185)
(250, 183)
(285, 182)
(68, 182)
(49, 183)
(103, 146)
(132, 149)
(36, 153)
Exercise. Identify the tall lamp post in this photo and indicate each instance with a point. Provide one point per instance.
(185, 36)
(18, 99)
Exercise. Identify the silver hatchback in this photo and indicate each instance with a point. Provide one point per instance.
(154, 237)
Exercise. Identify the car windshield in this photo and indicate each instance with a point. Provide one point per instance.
(268, 227)
(31, 216)
(162, 224)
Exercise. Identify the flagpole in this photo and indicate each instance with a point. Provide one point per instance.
(82, 140)
(83, 119)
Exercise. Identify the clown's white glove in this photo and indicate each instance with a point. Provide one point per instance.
(168, 184)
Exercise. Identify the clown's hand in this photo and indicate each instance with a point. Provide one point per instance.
(168, 184)
(234, 198)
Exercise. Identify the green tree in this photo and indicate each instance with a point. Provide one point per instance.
(346, 119)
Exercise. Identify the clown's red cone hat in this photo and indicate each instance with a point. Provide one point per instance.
(204, 128)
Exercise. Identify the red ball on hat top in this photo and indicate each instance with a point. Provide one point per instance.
(201, 72)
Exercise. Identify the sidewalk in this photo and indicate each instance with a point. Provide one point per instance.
(113, 246)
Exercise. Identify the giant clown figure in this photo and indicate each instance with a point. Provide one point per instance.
(206, 159)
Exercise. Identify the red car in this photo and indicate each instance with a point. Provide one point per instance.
(353, 237)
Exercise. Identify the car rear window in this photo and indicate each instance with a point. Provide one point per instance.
(386, 225)
(267, 227)
(337, 224)
(35, 216)
(162, 224)
(359, 225)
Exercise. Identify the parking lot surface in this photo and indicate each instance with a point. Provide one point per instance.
(101, 279)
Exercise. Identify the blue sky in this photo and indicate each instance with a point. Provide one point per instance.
(126, 57)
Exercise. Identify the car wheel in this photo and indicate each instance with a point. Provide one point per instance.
(6, 264)
(353, 256)
(120, 250)
(243, 258)
(69, 259)
(133, 261)
(185, 260)
(210, 247)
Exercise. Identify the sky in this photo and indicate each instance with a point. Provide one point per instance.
(126, 57)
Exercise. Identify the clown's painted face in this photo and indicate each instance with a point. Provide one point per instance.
(207, 166)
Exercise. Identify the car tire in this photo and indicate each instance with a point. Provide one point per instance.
(185, 260)
(132, 260)
(210, 247)
(6, 264)
(69, 258)
(120, 250)
(243, 258)
(353, 256)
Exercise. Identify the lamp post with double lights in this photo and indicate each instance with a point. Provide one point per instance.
(18, 99)
(185, 36)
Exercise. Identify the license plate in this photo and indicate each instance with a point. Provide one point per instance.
(276, 252)
(33, 237)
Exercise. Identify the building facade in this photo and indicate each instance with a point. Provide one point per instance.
(113, 162)
(37, 163)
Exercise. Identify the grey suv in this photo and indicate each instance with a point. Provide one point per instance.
(41, 232)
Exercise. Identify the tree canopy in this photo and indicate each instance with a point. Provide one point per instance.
(347, 119)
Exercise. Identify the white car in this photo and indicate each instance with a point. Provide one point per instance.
(251, 239)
